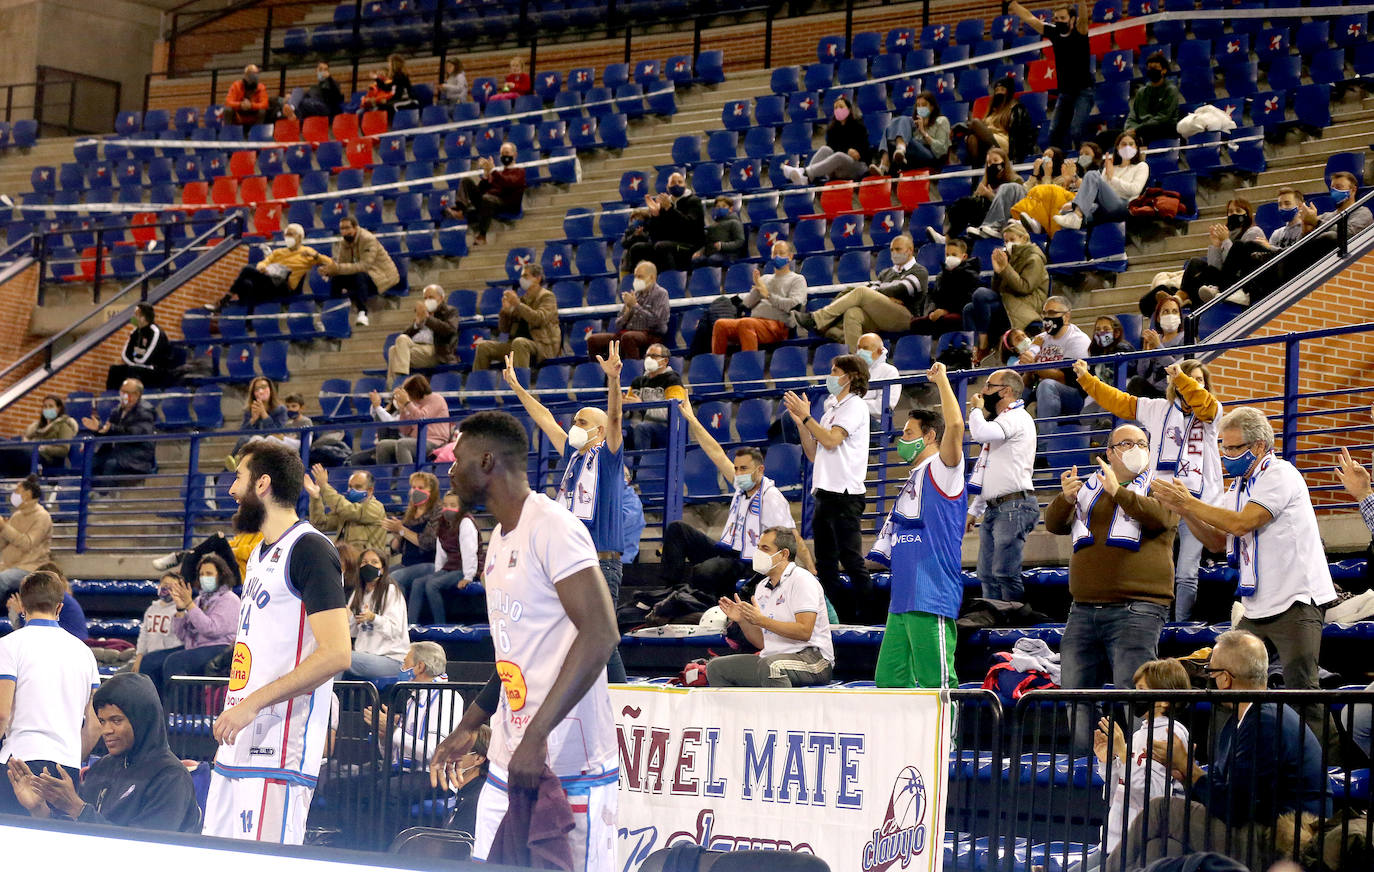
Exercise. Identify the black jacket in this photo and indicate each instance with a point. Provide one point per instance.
(148, 346)
(684, 223)
(849, 133)
(146, 786)
(139, 420)
(953, 289)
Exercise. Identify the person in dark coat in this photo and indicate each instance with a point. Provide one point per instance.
(846, 153)
(950, 291)
(676, 226)
(132, 417)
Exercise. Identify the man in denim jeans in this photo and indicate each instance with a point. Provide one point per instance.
(1122, 568)
(1067, 33)
(1000, 487)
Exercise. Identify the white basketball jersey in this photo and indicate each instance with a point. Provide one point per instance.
(286, 741)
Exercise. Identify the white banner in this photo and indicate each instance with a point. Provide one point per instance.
(856, 777)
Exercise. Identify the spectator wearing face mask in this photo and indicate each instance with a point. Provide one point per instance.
(643, 318)
(26, 535)
(917, 141)
(1342, 187)
(1054, 179)
(528, 320)
(1006, 125)
(155, 630)
(414, 400)
(674, 228)
(412, 534)
(1002, 493)
(1020, 285)
(497, 192)
(846, 152)
(53, 423)
(649, 428)
(205, 623)
(147, 354)
(376, 621)
(1165, 331)
(1103, 194)
(362, 268)
(1234, 249)
(1108, 338)
(355, 516)
(247, 103)
(725, 238)
(888, 304)
(975, 215)
(278, 275)
(1155, 106)
(872, 352)
(1289, 201)
(773, 303)
(951, 290)
(457, 560)
(1067, 33)
(1056, 392)
(323, 99)
(430, 340)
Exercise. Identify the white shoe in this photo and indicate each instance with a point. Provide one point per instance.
(361, 320)
(935, 236)
(794, 174)
(989, 231)
(167, 561)
(1031, 224)
(1069, 220)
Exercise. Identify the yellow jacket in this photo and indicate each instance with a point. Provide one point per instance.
(1123, 405)
(358, 524)
(300, 260)
(243, 545)
(1042, 203)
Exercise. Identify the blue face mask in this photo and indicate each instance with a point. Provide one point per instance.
(1339, 196)
(922, 111)
(832, 384)
(1287, 215)
(780, 262)
(406, 675)
(720, 214)
(1238, 466)
(744, 482)
(866, 356)
(50, 414)
(353, 495)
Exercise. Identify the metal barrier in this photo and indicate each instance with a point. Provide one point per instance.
(63, 102)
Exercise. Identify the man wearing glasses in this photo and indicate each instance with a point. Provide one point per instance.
(1000, 487)
(1056, 391)
(1121, 573)
(649, 428)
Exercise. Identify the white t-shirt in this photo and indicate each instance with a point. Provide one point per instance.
(1070, 347)
(1284, 559)
(843, 469)
(1129, 778)
(797, 591)
(155, 633)
(881, 370)
(53, 674)
(389, 634)
(532, 634)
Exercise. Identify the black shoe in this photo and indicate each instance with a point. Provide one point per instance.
(807, 320)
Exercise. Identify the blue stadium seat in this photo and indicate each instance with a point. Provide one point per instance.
(207, 406)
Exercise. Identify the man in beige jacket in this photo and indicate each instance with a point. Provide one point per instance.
(27, 535)
(361, 267)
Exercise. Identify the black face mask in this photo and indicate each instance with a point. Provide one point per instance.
(994, 170)
(367, 573)
(507, 159)
(1063, 27)
(1052, 325)
(998, 100)
(250, 81)
(990, 400)
(1237, 222)
(1154, 74)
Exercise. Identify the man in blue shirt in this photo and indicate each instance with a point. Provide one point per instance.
(592, 484)
(921, 542)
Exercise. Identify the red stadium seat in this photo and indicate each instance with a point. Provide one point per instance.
(345, 126)
(195, 193)
(267, 219)
(142, 228)
(286, 130)
(875, 196)
(253, 190)
(1040, 75)
(837, 198)
(315, 129)
(359, 153)
(286, 185)
(225, 191)
(374, 123)
(243, 163)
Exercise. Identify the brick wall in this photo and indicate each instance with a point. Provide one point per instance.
(19, 296)
(233, 32)
(1332, 364)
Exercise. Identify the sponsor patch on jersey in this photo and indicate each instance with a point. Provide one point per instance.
(276, 555)
(514, 555)
(240, 667)
(262, 752)
(513, 680)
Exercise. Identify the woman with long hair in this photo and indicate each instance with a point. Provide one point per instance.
(1165, 331)
(264, 413)
(377, 621)
(1104, 194)
(845, 154)
(412, 535)
(1007, 125)
(1234, 249)
(919, 140)
(53, 423)
(206, 622)
(457, 560)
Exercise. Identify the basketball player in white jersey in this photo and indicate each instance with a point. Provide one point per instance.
(553, 627)
(292, 641)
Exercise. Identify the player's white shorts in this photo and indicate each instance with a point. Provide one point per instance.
(594, 801)
(256, 809)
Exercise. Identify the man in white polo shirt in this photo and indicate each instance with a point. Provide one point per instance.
(874, 353)
(787, 621)
(1000, 488)
(46, 679)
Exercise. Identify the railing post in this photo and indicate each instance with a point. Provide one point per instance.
(925, 12)
(677, 444)
(356, 44)
(768, 37)
(83, 499)
(267, 43)
(696, 40)
(534, 54)
(629, 27)
(192, 464)
(99, 263)
(848, 25)
(1343, 233)
(1291, 389)
(71, 108)
(214, 86)
(172, 47)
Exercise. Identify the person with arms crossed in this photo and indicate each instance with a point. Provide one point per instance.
(292, 640)
(921, 542)
(553, 626)
(1003, 495)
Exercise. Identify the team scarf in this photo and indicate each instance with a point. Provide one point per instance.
(1243, 551)
(583, 469)
(1124, 531)
(980, 466)
(745, 525)
(906, 511)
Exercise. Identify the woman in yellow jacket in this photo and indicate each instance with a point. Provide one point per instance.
(280, 274)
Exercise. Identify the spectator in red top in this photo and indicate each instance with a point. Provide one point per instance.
(517, 82)
(497, 191)
(247, 103)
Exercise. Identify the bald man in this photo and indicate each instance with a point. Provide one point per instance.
(247, 102)
(592, 485)
(1122, 567)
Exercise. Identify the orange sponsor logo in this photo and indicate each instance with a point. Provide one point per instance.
(513, 680)
(240, 667)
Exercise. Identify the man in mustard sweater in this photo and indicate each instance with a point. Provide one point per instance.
(278, 275)
(355, 516)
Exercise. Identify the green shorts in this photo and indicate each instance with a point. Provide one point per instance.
(917, 651)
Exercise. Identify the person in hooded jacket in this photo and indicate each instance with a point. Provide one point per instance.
(138, 783)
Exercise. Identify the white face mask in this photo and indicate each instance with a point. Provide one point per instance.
(293, 242)
(526, 283)
(16, 500)
(126, 399)
(640, 286)
(651, 364)
(578, 437)
(1023, 346)
(952, 262)
(1170, 323)
(431, 304)
(1135, 459)
(762, 562)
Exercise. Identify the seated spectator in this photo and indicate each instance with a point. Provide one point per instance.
(787, 622)
(468, 777)
(1053, 167)
(675, 228)
(1156, 106)
(430, 340)
(528, 320)
(1234, 249)
(132, 417)
(649, 428)
(516, 84)
(380, 92)
(1020, 285)
(412, 401)
(155, 630)
(138, 783)
(455, 87)
(377, 621)
(1343, 189)
(457, 560)
(496, 192)
(402, 95)
(247, 103)
(1007, 125)
(430, 715)
(1054, 179)
(976, 215)
(846, 152)
(27, 535)
(361, 267)
(636, 233)
(889, 304)
(1290, 207)
(53, 423)
(264, 414)
(325, 98)
(772, 303)
(356, 517)
(643, 318)
(1104, 195)
(280, 274)
(872, 352)
(1056, 391)
(1108, 338)
(147, 354)
(206, 624)
(725, 238)
(951, 291)
(412, 535)
(72, 617)
(1151, 378)
(917, 141)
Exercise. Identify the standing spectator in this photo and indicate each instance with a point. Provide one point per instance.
(1003, 495)
(1233, 250)
(920, 542)
(787, 621)
(27, 535)
(325, 98)
(1121, 570)
(147, 354)
(132, 417)
(412, 401)
(412, 534)
(430, 340)
(676, 228)
(951, 291)
(1182, 431)
(454, 90)
(496, 192)
(528, 320)
(773, 302)
(155, 630)
(457, 560)
(1007, 126)
(1104, 194)
(46, 679)
(872, 352)
(53, 423)
(1165, 331)
(889, 304)
(278, 275)
(643, 318)
(846, 152)
(1056, 392)
(1266, 523)
(649, 428)
(1020, 286)
(356, 516)
(918, 141)
(1068, 36)
(247, 103)
(263, 414)
(362, 268)
(837, 445)
(376, 621)
(1155, 106)
(593, 479)
(205, 624)
(725, 238)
